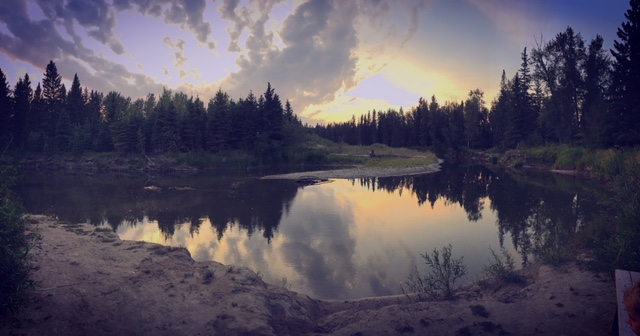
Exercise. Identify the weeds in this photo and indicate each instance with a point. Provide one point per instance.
(501, 268)
(285, 283)
(440, 282)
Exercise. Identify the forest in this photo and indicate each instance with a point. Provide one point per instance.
(566, 91)
(51, 120)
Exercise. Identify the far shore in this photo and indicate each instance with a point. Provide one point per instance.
(360, 172)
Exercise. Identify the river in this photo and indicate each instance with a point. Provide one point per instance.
(340, 240)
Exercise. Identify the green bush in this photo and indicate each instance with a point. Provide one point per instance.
(15, 244)
(440, 282)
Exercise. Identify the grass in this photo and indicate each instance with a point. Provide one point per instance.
(385, 156)
(602, 163)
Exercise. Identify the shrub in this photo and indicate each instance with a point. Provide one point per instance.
(501, 268)
(15, 244)
(440, 282)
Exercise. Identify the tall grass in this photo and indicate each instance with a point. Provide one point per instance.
(603, 163)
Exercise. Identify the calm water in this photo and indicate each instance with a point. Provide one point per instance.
(341, 240)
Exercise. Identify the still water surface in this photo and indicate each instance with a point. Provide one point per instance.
(340, 240)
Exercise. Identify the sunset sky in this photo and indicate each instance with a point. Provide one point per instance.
(331, 59)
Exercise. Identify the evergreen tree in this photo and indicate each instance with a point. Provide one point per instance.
(499, 110)
(166, 135)
(626, 78)
(219, 122)
(53, 95)
(63, 133)
(23, 94)
(36, 138)
(6, 111)
(75, 102)
(597, 122)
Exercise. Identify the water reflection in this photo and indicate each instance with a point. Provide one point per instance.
(346, 239)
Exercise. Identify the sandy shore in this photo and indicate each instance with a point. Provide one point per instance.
(92, 283)
(360, 172)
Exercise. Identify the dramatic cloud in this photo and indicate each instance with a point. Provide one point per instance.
(186, 14)
(180, 59)
(61, 35)
(317, 59)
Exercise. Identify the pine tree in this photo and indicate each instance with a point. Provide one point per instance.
(75, 102)
(218, 122)
(53, 94)
(23, 94)
(597, 123)
(626, 78)
(6, 111)
(36, 137)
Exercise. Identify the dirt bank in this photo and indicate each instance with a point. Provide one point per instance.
(92, 283)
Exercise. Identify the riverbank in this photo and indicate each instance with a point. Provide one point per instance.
(360, 172)
(92, 283)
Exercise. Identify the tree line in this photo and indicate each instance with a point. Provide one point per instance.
(565, 92)
(52, 120)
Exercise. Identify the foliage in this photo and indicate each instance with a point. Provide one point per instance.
(616, 246)
(15, 244)
(440, 282)
(501, 268)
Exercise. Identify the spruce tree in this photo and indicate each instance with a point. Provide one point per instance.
(6, 111)
(75, 102)
(53, 94)
(23, 94)
(626, 78)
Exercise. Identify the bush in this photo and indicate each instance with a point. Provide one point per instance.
(15, 244)
(440, 282)
(501, 269)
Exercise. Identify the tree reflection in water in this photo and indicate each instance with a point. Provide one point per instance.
(541, 212)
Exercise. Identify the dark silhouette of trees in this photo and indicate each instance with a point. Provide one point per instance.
(626, 78)
(22, 97)
(566, 91)
(53, 94)
(5, 112)
(48, 120)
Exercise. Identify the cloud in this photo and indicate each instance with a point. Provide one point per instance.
(186, 14)
(327, 47)
(38, 42)
(514, 21)
(180, 59)
(317, 59)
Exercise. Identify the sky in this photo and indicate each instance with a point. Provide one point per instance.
(330, 59)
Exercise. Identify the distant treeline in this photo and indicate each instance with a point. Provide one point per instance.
(53, 121)
(565, 92)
